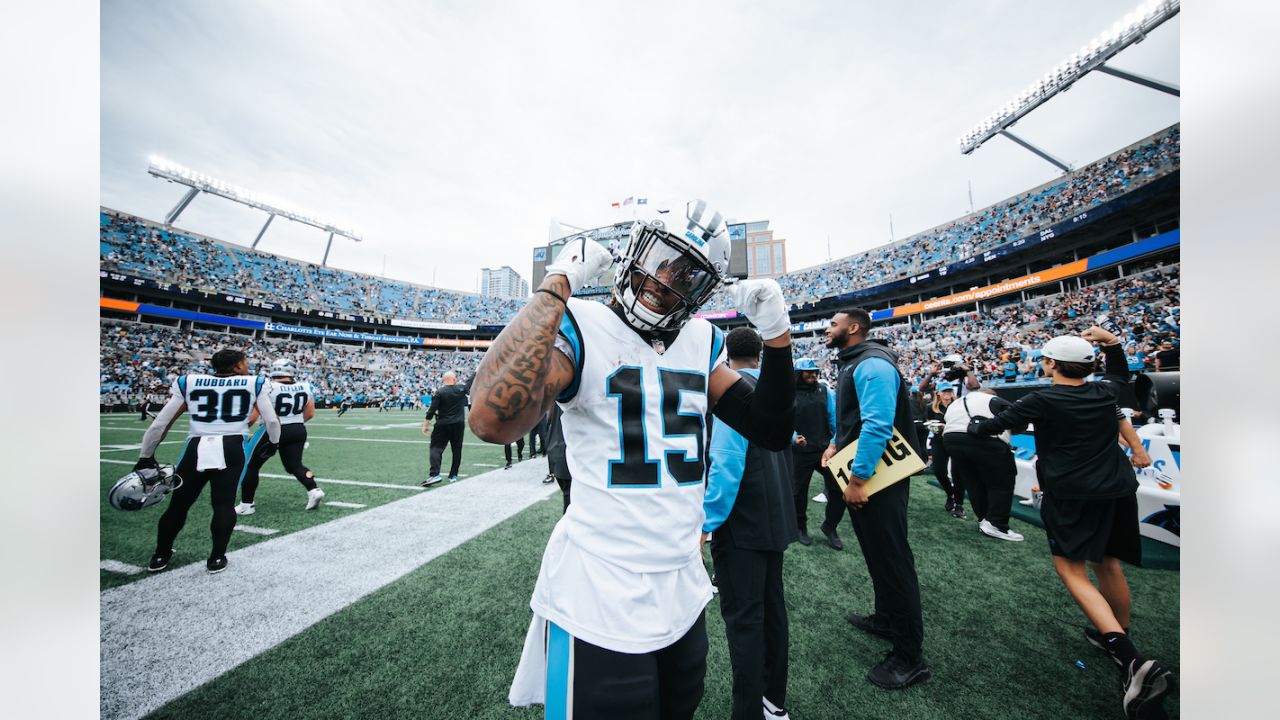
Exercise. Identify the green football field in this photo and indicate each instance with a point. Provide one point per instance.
(1001, 634)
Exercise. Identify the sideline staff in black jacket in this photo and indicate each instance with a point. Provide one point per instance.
(449, 405)
(750, 513)
(1090, 507)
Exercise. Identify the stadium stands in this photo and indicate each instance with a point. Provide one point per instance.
(140, 248)
(1145, 306)
(137, 357)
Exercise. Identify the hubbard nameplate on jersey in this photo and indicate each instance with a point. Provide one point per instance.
(898, 461)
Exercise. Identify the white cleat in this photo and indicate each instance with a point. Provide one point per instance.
(245, 509)
(819, 498)
(990, 530)
(773, 712)
(313, 498)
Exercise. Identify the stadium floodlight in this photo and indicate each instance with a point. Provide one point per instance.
(199, 182)
(1134, 27)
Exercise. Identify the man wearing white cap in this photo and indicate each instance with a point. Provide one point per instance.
(1090, 510)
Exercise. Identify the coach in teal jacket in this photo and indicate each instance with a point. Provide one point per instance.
(751, 518)
(871, 401)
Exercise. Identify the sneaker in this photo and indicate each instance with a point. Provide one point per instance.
(819, 498)
(1095, 639)
(507, 466)
(313, 498)
(804, 539)
(433, 480)
(957, 512)
(774, 712)
(548, 479)
(453, 478)
(1146, 682)
(896, 673)
(951, 505)
(245, 509)
(870, 624)
(159, 562)
(832, 538)
(216, 565)
(986, 528)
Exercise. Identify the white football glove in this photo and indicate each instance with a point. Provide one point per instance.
(761, 301)
(581, 262)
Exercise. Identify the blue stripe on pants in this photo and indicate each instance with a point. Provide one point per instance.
(559, 659)
(248, 453)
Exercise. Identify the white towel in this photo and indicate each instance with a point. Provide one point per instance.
(529, 686)
(209, 455)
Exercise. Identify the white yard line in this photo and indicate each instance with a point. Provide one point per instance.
(331, 481)
(255, 530)
(339, 504)
(116, 566)
(213, 623)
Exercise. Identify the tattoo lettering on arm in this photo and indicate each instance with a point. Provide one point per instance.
(522, 372)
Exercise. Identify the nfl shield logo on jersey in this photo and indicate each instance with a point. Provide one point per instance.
(659, 346)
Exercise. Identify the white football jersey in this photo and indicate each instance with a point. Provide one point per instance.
(623, 569)
(218, 405)
(289, 399)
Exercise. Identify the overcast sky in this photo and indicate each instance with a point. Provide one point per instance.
(451, 133)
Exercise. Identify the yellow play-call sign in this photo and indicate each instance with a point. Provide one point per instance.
(897, 462)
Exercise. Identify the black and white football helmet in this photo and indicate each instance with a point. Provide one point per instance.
(143, 488)
(283, 367)
(684, 252)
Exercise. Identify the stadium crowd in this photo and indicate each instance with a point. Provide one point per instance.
(1000, 345)
(140, 248)
(1003, 344)
(138, 358)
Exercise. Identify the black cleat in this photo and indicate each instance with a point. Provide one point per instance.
(159, 562)
(870, 624)
(957, 512)
(804, 538)
(216, 565)
(832, 538)
(951, 505)
(895, 673)
(1146, 682)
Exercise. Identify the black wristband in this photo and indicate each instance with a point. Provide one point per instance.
(552, 294)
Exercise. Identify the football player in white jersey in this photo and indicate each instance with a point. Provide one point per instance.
(295, 404)
(618, 629)
(214, 453)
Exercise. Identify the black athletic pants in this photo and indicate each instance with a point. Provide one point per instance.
(564, 484)
(222, 493)
(665, 684)
(984, 466)
(804, 464)
(506, 449)
(446, 434)
(941, 457)
(293, 438)
(538, 438)
(881, 527)
(755, 623)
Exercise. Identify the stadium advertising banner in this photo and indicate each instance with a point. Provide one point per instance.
(341, 334)
(427, 325)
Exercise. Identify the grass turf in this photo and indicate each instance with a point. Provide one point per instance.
(1001, 635)
(130, 537)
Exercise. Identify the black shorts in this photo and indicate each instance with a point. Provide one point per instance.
(1093, 529)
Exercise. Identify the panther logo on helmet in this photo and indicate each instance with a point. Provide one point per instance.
(671, 265)
(143, 488)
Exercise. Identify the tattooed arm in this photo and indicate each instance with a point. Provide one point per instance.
(522, 373)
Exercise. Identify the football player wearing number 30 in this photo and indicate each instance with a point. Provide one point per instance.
(618, 629)
(295, 405)
(214, 452)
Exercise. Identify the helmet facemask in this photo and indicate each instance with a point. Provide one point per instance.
(665, 275)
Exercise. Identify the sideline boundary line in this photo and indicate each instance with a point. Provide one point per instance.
(213, 623)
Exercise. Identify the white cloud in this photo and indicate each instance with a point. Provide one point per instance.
(450, 133)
